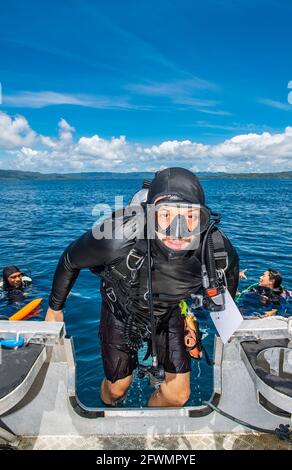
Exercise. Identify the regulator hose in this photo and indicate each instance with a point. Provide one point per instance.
(283, 432)
(151, 307)
(210, 262)
(245, 291)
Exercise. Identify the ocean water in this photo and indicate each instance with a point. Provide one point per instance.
(38, 219)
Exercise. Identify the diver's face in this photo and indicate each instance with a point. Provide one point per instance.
(15, 279)
(265, 280)
(166, 214)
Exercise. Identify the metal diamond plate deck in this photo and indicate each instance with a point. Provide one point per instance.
(234, 441)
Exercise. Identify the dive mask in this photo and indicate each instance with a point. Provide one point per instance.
(178, 219)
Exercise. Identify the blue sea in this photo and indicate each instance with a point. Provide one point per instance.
(38, 219)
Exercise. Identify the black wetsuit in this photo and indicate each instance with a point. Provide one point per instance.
(11, 293)
(125, 296)
(268, 295)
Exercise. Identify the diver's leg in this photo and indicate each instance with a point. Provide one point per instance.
(173, 355)
(174, 391)
(112, 392)
(118, 362)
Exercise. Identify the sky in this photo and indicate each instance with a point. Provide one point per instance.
(111, 85)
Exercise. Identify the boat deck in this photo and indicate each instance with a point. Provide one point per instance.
(44, 410)
(212, 441)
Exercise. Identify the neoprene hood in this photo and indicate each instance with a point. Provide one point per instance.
(178, 182)
(7, 271)
(187, 188)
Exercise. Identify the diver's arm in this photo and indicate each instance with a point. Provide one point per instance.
(86, 252)
(89, 251)
(66, 273)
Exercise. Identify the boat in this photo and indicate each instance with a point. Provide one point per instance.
(40, 408)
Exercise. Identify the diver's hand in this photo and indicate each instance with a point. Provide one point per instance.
(54, 315)
(242, 274)
(270, 313)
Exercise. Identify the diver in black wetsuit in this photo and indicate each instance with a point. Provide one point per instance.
(268, 295)
(144, 275)
(13, 284)
(270, 286)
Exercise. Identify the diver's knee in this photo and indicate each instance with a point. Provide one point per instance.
(180, 399)
(117, 394)
(118, 389)
(110, 394)
(176, 397)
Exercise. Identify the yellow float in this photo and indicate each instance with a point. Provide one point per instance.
(27, 311)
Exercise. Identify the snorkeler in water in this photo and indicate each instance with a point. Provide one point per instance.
(268, 291)
(14, 284)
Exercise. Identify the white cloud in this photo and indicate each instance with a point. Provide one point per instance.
(193, 102)
(176, 87)
(218, 112)
(42, 99)
(39, 99)
(23, 148)
(65, 136)
(15, 132)
(174, 149)
(256, 146)
(180, 92)
(276, 104)
(47, 141)
(114, 150)
(65, 132)
(234, 127)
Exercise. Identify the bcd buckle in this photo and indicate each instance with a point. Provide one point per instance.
(198, 301)
(138, 260)
(111, 294)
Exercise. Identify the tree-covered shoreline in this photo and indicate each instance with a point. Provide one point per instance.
(15, 175)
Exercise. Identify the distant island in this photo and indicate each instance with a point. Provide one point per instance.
(11, 175)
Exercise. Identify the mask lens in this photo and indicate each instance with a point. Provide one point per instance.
(167, 213)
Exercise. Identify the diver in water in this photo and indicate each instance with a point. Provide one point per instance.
(174, 253)
(270, 286)
(268, 291)
(14, 284)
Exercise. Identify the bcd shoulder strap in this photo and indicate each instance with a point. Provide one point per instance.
(121, 267)
(220, 253)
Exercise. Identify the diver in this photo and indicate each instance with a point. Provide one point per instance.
(268, 292)
(175, 252)
(14, 284)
